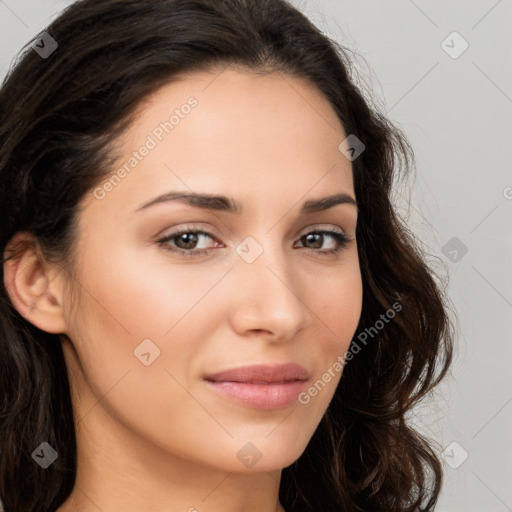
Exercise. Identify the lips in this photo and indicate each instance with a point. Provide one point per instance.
(260, 386)
(262, 374)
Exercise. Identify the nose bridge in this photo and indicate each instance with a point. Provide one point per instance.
(267, 287)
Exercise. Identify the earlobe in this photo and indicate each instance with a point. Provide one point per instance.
(33, 285)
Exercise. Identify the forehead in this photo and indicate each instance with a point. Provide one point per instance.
(230, 90)
(240, 106)
(235, 132)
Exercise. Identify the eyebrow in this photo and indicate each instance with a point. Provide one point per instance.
(229, 205)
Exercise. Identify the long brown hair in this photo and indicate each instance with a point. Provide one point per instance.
(60, 116)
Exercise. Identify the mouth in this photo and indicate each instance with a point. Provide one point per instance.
(260, 386)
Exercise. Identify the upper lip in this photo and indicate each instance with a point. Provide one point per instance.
(261, 373)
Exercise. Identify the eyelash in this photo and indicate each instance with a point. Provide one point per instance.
(340, 238)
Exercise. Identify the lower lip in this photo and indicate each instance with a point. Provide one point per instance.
(260, 396)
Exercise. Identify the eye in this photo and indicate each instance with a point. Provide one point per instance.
(184, 241)
(318, 237)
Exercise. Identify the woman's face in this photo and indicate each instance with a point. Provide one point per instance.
(156, 318)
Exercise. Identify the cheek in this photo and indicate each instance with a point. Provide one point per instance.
(130, 308)
(338, 310)
(144, 297)
(339, 306)
(343, 313)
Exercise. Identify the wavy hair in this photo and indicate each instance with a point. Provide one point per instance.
(59, 120)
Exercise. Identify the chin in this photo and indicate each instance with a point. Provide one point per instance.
(272, 453)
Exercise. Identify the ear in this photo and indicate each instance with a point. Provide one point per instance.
(34, 286)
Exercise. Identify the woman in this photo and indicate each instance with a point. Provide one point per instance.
(209, 302)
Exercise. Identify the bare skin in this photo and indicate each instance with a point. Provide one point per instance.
(155, 437)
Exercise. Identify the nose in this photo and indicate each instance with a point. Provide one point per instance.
(266, 297)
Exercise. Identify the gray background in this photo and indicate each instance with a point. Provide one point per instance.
(457, 114)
